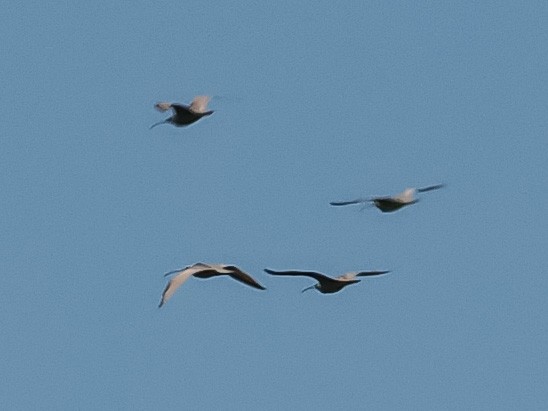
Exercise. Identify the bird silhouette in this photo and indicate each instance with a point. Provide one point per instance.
(184, 115)
(388, 204)
(203, 270)
(327, 285)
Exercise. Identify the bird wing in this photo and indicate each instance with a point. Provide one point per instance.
(211, 270)
(293, 273)
(222, 268)
(175, 283)
(162, 106)
(199, 104)
(243, 277)
(370, 273)
(347, 276)
(429, 188)
(178, 280)
(350, 276)
(196, 266)
(356, 201)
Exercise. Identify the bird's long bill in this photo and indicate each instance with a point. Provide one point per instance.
(309, 288)
(157, 124)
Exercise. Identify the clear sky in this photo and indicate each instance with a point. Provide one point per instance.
(314, 102)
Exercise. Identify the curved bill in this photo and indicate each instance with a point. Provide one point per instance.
(309, 288)
(158, 123)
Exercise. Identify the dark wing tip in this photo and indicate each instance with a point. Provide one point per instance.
(244, 277)
(251, 282)
(343, 203)
(429, 188)
(174, 271)
(371, 273)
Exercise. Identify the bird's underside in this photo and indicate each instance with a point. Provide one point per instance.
(335, 285)
(385, 204)
(184, 115)
(388, 205)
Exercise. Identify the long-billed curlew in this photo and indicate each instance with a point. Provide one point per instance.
(184, 115)
(327, 285)
(389, 204)
(203, 270)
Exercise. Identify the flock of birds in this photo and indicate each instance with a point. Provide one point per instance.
(184, 115)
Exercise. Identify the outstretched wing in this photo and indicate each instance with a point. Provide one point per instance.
(243, 277)
(353, 274)
(178, 280)
(429, 188)
(173, 284)
(370, 273)
(196, 267)
(199, 104)
(356, 201)
(293, 273)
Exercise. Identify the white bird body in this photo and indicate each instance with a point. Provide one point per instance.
(203, 270)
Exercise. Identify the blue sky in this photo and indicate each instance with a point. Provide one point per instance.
(313, 103)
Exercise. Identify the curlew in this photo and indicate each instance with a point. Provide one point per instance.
(388, 204)
(327, 285)
(184, 115)
(203, 270)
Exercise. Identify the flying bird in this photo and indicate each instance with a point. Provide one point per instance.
(184, 115)
(388, 204)
(203, 270)
(327, 285)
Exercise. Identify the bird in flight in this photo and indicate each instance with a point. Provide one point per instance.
(327, 285)
(203, 270)
(388, 204)
(184, 115)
